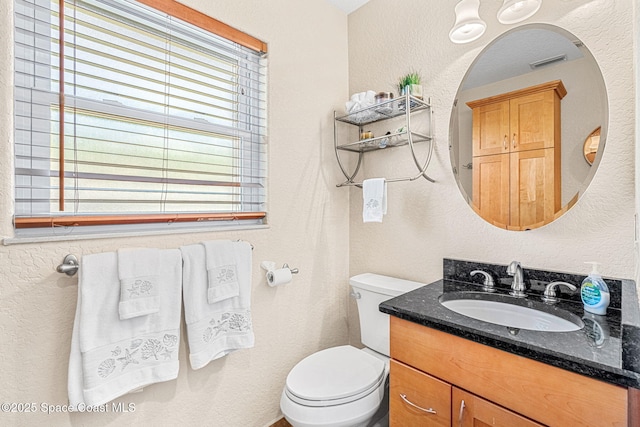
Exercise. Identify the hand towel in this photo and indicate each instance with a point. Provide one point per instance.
(138, 274)
(111, 357)
(222, 273)
(215, 330)
(374, 194)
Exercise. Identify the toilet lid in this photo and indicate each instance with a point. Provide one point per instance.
(335, 374)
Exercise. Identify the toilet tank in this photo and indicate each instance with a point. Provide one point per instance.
(370, 290)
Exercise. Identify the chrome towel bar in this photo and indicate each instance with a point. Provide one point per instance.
(70, 264)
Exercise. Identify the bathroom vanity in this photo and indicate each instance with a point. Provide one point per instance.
(452, 370)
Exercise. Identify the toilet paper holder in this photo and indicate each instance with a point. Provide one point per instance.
(275, 277)
(293, 270)
(270, 266)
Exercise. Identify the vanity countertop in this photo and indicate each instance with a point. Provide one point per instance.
(614, 357)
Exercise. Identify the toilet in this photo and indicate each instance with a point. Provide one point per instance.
(346, 386)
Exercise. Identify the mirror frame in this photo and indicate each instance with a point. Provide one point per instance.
(454, 116)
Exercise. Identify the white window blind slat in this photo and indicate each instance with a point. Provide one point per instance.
(159, 116)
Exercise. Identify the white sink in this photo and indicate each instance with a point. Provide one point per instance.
(511, 312)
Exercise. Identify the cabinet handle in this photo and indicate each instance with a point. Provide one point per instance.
(514, 140)
(461, 413)
(504, 142)
(430, 410)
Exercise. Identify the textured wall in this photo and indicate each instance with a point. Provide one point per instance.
(426, 221)
(308, 228)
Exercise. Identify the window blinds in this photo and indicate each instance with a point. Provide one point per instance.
(151, 119)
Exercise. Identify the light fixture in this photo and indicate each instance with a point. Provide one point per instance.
(513, 11)
(468, 26)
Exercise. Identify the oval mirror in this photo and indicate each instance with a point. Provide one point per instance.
(518, 126)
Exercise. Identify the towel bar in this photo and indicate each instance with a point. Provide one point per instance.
(70, 264)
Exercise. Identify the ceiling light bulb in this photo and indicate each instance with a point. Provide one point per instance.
(468, 26)
(513, 11)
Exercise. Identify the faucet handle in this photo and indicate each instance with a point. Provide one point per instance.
(488, 280)
(550, 291)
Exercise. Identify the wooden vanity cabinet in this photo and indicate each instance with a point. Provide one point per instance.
(517, 156)
(418, 399)
(471, 411)
(436, 370)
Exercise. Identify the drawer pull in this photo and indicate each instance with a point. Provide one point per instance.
(461, 413)
(430, 410)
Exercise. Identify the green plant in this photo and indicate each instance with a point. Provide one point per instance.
(412, 78)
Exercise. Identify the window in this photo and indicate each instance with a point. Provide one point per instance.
(135, 115)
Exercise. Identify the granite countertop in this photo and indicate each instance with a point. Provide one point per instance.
(607, 348)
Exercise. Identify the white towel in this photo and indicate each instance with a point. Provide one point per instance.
(222, 275)
(215, 330)
(111, 357)
(360, 100)
(374, 194)
(138, 274)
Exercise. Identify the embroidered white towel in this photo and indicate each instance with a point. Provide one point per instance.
(222, 269)
(111, 357)
(374, 194)
(138, 274)
(215, 330)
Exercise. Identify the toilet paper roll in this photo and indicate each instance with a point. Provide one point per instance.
(279, 277)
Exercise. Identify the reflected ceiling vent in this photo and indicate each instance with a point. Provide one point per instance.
(547, 61)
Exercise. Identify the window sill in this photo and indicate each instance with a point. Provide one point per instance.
(171, 229)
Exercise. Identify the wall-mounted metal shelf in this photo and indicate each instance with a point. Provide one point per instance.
(403, 136)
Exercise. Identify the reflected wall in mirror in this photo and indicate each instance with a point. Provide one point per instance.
(525, 57)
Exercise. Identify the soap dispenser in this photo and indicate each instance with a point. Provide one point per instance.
(595, 292)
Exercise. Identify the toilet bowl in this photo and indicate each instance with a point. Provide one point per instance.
(346, 386)
(340, 387)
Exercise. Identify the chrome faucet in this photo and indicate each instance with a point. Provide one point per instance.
(488, 284)
(550, 291)
(515, 269)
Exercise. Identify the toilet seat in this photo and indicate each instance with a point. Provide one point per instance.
(335, 376)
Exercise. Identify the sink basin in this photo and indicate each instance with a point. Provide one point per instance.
(512, 312)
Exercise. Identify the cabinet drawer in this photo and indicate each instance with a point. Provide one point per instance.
(417, 399)
(544, 393)
(471, 411)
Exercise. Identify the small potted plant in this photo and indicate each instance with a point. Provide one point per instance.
(411, 83)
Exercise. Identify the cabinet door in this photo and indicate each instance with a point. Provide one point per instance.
(417, 399)
(535, 190)
(491, 188)
(471, 411)
(490, 131)
(533, 121)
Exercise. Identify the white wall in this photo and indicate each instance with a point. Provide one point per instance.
(427, 222)
(636, 63)
(309, 218)
(308, 228)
